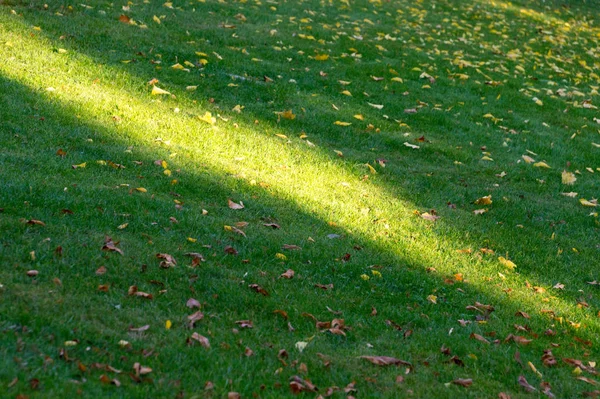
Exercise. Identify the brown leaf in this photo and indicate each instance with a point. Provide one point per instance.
(103, 287)
(298, 384)
(503, 395)
(141, 370)
(588, 380)
(100, 271)
(463, 382)
(386, 361)
(272, 225)
(230, 250)
(245, 323)
(233, 395)
(133, 291)
(32, 273)
(139, 329)
(527, 386)
(168, 261)
(291, 247)
(547, 390)
(289, 273)
(248, 352)
(124, 18)
(283, 313)
(518, 339)
(337, 331)
(522, 314)
(33, 222)
(234, 205)
(456, 360)
(109, 245)
(196, 256)
(259, 289)
(479, 338)
(193, 303)
(201, 339)
(324, 287)
(195, 317)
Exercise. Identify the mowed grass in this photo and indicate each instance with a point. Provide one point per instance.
(359, 137)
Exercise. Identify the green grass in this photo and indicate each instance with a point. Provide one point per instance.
(72, 77)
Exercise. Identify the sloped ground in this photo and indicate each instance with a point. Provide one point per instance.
(265, 197)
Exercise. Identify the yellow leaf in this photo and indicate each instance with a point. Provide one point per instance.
(486, 158)
(190, 239)
(344, 82)
(203, 61)
(177, 66)
(339, 153)
(585, 202)
(157, 90)
(359, 117)
(347, 93)
(322, 57)
(364, 277)
(81, 165)
(487, 200)
(568, 178)
(191, 88)
(280, 256)
(541, 165)
(208, 118)
(141, 190)
(432, 299)
(371, 169)
(378, 106)
(288, 115)
(124, 225)
(281, 136)
(342, 123)
(168, 324)
(397, 79)
(156, 19)
(527, 159)
(506, 262)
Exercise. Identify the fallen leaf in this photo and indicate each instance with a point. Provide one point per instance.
(487, 200)
(463, 382)
(158, 91)
(288, 274)
(234, 205)
(527, 386)
(568, 178)
(168, 261)
(386, 361)
(109, 245)
(201, 339)
(507, 263)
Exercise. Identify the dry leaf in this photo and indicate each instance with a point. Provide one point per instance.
(234, 205)
(386, 361)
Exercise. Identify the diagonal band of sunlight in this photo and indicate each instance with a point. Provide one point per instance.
(319, 184)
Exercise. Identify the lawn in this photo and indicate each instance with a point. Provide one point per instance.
(324, 198)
